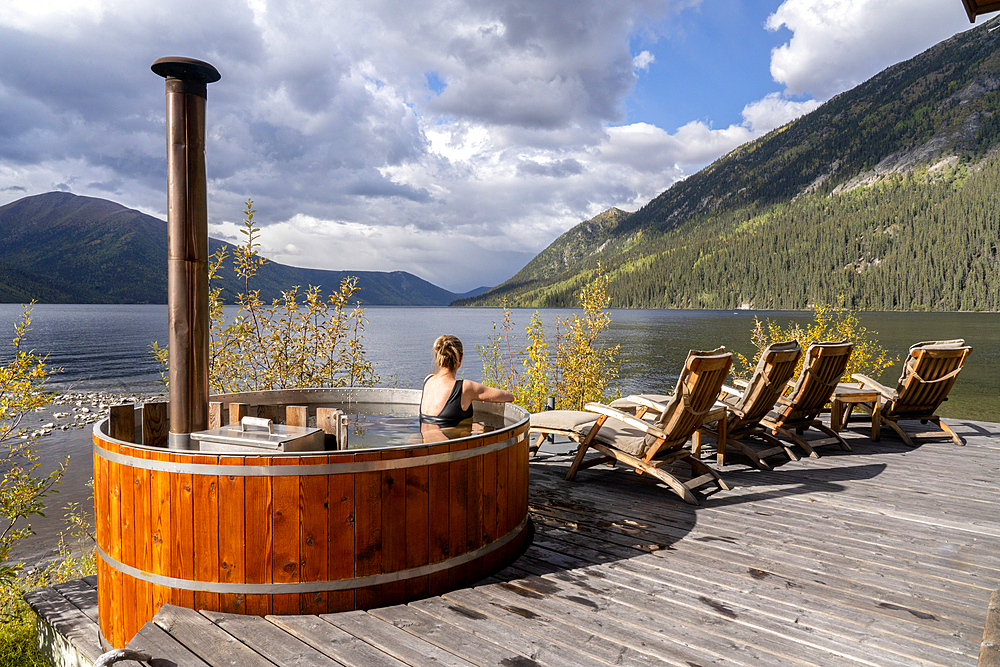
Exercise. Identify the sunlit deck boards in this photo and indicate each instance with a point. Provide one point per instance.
(884, 556)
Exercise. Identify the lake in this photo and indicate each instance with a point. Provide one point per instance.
(105, 347)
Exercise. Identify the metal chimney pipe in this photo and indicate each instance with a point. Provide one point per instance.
(187, 244)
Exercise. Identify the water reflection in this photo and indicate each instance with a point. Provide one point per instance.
(435, 433)
(371, 431)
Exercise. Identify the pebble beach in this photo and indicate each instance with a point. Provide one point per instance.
(78, 410)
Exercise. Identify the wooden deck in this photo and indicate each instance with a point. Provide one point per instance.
(884, 556)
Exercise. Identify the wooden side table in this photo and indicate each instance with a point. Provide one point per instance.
(845, 397)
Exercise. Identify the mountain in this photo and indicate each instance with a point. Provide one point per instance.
(474, 292)
(62, 248)
(885, 198)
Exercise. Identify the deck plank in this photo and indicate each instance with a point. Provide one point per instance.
(452, 636)
(206, 640)
(883, 557)
(335, 643)
(392, 640)
(269, 640)
(82, 595)
(164, 649)
(827, 626)
(512, 628)
(888, 582)
(66, 620)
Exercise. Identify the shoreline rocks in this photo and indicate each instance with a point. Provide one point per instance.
(77, 410)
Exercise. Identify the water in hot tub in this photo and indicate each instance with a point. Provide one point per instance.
(371, 427)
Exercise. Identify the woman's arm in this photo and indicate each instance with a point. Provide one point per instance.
(480, 392)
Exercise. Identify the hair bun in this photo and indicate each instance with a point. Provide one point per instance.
(448, 352)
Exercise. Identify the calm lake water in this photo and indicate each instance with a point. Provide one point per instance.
(105, 347)
(102, 347)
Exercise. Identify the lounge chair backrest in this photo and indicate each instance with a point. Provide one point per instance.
(769, 379)
(822, 369)
(928, 375)
(697, 389)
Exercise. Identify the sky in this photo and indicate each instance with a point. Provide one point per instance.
(453, 139)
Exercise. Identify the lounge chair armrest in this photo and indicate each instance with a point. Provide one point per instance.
(741, 383)
(645, 402)
(867, 382)
(730, 390)
(634, 422)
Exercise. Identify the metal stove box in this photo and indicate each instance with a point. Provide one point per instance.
(265, 436)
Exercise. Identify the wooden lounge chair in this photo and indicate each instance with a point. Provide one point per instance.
(928, 375)
(822, 369)
(755, 398)
(648, 447)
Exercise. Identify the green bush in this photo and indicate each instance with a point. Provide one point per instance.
(23, 494)
(302, 339)
(576, 368)
(18, 639)
(829, 324)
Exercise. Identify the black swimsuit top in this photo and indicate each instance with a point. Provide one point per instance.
(452, 413)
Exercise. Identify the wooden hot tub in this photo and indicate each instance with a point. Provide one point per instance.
(303, 533)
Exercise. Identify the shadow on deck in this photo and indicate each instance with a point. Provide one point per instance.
(883, 556)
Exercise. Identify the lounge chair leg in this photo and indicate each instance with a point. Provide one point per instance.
(696, 443)
(801, 442)
(758, 463)
(777, 446)
(891, 423)
(954, 436)
(584, 446)
(643, 466)
(577, 460)
(699, 468)
(533, 449)
(840, 441)
(676, 485)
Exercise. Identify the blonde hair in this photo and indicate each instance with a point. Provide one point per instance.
(448, 352)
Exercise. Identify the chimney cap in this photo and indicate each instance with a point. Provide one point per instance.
(188, 69)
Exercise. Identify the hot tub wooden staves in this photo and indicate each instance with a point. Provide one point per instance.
(303, 533)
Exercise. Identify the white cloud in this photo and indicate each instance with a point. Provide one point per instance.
(837, 44)
(773, 111)
(454, 139)
(325, 117)
(643, 61)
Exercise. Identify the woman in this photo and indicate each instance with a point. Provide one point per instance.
(447, 401)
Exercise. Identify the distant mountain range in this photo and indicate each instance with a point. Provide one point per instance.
(63, 248)
(884, 198)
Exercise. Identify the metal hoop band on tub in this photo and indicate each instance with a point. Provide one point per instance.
(302, 470)
(311, 586)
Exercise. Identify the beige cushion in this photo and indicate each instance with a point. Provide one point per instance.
(707, 353)
(564, 420)
(620, 436)
(939, 344)
(613, 433)
(626, 405)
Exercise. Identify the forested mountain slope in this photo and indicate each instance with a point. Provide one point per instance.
(884, 197)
